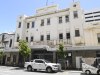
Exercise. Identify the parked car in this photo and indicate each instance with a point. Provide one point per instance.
(41, 64)
(93, 68)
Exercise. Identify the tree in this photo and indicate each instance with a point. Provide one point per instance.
(62, 54)
(1, 56)
(24, 49)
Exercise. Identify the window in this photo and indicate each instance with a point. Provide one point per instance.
(89, 20)
(98, 37)
(33, 23)
(48, 37)
(28, 25)
(26, 39)
(19, 26)
(42, 22)
(39, 61)
(75, 14)
(77, 33)
(31, 38)
(10, 43)
(17, 38)
(67, 18)
(48, 21)
(60, 19)
(8, 59)
(42, 38)
(67, 35)
(60, 36)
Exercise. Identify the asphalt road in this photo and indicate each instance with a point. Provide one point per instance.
(4, 70)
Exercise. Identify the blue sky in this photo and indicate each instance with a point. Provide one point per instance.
(11, 9)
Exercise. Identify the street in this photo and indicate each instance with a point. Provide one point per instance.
(5, 70)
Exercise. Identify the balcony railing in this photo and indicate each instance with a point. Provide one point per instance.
(52, 43)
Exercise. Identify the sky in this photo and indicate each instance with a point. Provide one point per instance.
(11, 9)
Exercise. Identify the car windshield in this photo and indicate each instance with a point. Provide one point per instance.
(47, 61)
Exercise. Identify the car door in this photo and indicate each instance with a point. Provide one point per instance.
(39, 64)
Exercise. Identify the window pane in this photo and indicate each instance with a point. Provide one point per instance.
(60, 36)
(60, 19)
(75, 14)
(28, 25)
(77, 33)
(98, 37)
(42, 38)
(33, 23)
(26, 39)
(67, 18)
(42, 22)
(17, 38)
(48, 21)
(31, 38)
(19, 26)
(67, 35)
(48, 37)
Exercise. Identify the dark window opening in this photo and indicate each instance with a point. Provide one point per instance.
(33, 23)
(42, 38)
(48, 37)
(98, 37)
(77, 33)
(67, 35)
(42, 22)
(18, 39)
(32, 39)
(10, 43)
(75, 14)
(48, 21)
(19, 26)
(67, 18)
(60, 36)
(60, 19)
(28, 25)
(26, 39)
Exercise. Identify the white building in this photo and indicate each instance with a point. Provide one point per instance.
(78, 31)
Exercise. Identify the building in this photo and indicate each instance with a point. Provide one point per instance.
(49, 27)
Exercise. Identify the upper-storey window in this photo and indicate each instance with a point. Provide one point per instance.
(28, 25)
(75, 13)
(61, 36)
(42, 22)
(60, 19)
(42, 37)
(67, 18)
(98, 37)
(33, 24)
(48, 21)
(19, 26)
(77, 33)
(17, 39)
(48, 37)
(32, 38)
(67, 35)
(26, 39)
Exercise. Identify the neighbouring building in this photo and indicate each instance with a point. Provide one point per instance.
(77, 30)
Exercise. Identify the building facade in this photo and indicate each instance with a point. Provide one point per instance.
(78, 31)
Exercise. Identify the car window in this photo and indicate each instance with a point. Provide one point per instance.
(39, 61)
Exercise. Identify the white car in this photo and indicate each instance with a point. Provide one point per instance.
(41, 64)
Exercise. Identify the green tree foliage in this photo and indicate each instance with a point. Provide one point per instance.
(24, 50)
(60, 51)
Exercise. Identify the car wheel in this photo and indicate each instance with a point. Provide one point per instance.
(29, 68)
(49, 69)
(87, 72)
(98, 72)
